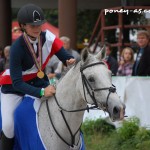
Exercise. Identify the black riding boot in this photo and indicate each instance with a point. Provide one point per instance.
(7, 143)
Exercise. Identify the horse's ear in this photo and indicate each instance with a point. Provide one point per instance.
(84, 54)
(102, 53)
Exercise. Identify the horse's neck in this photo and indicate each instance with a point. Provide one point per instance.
(70, 98)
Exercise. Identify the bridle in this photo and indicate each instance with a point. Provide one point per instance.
(91, 92)
(89, 88)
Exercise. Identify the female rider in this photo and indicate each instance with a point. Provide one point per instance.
(29, 55)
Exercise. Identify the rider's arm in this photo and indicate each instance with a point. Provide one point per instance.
(63, 55)
(16, 57)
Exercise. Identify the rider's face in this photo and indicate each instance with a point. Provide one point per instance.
(32, 30)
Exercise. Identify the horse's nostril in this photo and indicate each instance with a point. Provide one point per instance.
(116, 111)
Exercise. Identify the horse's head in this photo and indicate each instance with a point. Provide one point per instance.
(97, 85)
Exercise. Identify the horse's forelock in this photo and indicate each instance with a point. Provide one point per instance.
(89, 60)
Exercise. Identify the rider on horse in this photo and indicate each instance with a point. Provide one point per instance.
(29, 56)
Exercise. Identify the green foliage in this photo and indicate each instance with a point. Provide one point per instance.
(129, 129)
(51, 16)
(145, 145)
(91, 127)
(143, 134)
(101, 136)
(86, 20)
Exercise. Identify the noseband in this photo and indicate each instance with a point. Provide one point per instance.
(91, 92)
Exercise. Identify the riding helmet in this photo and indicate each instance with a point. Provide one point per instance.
(31, 14)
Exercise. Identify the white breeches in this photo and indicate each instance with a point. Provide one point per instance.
(9, 102)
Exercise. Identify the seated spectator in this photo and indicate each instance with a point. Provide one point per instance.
(126, 62)
(142, 64)
(110, 60)
(60, 66)
(4, 63)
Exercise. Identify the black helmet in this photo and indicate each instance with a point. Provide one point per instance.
(31, 14)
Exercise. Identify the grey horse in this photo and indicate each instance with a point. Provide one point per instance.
(88, 82)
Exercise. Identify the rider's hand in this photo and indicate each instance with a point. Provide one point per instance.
(49, 91)
(51, 75)
(70, 61)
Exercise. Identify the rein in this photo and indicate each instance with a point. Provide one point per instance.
(89, 89)
(72, 135)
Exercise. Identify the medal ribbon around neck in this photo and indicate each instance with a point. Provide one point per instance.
(38, 64)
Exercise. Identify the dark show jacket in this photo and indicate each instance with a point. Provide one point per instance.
(143, 68)
(21, 60)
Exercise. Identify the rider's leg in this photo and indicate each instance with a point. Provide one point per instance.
(9, 102)
(6, 143)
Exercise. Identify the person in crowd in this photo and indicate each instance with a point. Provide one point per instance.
(4, 63)
(51, 67)
(66, 44)
(142, 64)
(126, 62)
(57, 71)
(110, 60)
(29, 55)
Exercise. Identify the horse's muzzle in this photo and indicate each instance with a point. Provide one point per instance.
(118, 113)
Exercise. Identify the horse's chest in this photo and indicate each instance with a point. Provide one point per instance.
(51, 140)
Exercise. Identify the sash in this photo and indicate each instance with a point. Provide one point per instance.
(52, 44)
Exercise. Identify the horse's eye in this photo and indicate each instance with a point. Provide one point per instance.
(91, 79)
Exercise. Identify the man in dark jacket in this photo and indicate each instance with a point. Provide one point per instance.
(142, 64)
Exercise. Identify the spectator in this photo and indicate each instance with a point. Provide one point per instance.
(66, 44)
(51, 67)
(126, 62)
(110, 60)
(142, 64)
(4, 63)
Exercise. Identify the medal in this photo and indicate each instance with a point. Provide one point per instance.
(40, 74)
(37, 61)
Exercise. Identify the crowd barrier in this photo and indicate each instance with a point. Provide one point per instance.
(135, 93)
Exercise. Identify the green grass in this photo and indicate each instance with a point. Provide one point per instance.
(99, 135)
